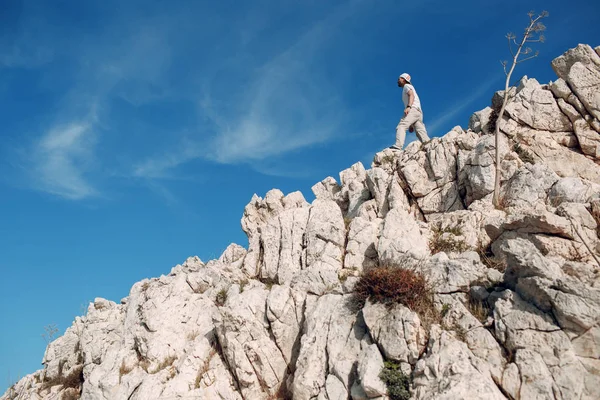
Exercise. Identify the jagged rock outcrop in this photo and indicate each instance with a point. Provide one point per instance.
(515, 290)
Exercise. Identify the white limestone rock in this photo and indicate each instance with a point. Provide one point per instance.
(543, 353)
(331, 342)
(257, 362)
(335, 389)
(327, 189)
(479, 340)
(573, 190)
(397, 331)
(529, 186)
(480, 121)
(256, 214)
(535, 106)
(325, 234)
(453, 275)
(361, 249)
(441, 200)
(441, 157)
(64, 355)
(449, 371)
(284, 312)
(354, 188)
(580, 68)
(588, 138)
(478, 169)
(233, 255)
(538, 221)
(556, 154)
(369, 368)
(378, 182)
(400, 237)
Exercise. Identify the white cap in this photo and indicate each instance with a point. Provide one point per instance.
(405, 76)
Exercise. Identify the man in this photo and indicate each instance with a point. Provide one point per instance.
(413, 115)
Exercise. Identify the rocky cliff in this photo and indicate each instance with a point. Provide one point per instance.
(515, 291)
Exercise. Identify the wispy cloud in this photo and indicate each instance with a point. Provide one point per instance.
(60, 158)
(161, 166)
(288, 105)
(16, 56)
(441, 120)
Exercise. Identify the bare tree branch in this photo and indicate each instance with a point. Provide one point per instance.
(531, 35)
(528, 58)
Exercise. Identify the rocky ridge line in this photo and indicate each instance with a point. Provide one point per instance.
(273, 320)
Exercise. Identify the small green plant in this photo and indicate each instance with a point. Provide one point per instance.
(221, 297)
(523, 153)
(243, 284)
(445, 309)
(269, 282)
(387, 159)
(398, 383)
(347, 221)
(448, 239)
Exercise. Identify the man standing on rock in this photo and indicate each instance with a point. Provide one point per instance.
(413, 115)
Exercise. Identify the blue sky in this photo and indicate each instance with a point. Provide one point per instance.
(133, 132)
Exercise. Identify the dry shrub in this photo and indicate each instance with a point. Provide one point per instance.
(167, 362)
(192, 335)
(391, 285)
(71, 394)
(489, 260)
(221, 297)
(268, 282)
(144, 364)
(124, 369)
(204, 368)
(479, 309)
(73, 380)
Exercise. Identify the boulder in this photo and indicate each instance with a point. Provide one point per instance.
(580, 68)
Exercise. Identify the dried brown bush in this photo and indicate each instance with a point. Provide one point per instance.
(489, 260)
(72, 380)
(391, 285)
(124, 369)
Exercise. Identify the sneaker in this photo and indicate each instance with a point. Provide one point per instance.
(394, 147)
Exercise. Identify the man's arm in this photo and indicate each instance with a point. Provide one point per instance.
(411, 98)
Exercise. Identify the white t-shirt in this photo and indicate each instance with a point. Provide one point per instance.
(416, 102)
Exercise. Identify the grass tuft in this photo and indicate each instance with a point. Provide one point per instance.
(221, 297)
(448, 240)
